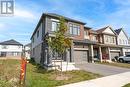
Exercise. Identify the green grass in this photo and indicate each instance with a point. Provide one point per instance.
(127, 85)
(39, 77)
(42, 78)
(124, 65)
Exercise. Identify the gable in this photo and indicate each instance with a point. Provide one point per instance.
(109, 31)
(122, 35)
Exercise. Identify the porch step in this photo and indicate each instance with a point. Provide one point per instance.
(64, 65)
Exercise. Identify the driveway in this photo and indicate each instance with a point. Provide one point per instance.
(101, 69)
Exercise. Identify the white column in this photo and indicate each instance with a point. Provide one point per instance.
(100, 53)
(92, 53)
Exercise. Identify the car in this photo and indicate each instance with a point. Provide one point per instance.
(124, 58)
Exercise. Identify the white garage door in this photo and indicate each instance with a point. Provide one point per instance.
(114, 54)
(80, 56)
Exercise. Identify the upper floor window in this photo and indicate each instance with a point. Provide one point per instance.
(4, 47)
(38, 33)
(113, 39)
(55, 26)
(74, 29)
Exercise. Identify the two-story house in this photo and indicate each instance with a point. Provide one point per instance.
(103, 44)
(81, 49)
(106, 48)
(11, 49)
(123, 40)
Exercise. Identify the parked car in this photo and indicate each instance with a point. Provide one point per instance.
(124, 58)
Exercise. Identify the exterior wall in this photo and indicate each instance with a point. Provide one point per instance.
(76, 37)
(86, 36)
(37, 43)
(37, 53)
(109, 31)
(122, 39)
(81, 36)
(11, 51)
(37, 40)
(11, 48)
(108, 39)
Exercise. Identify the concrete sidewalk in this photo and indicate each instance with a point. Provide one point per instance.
(117, 80)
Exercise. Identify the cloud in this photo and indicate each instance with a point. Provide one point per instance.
(19, 34)
(24, 14)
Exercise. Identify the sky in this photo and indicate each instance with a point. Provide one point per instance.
(95, 13)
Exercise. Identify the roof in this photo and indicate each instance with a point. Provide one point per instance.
(87, 41)
(58, 16)
(102, 29)
(55, 16)
(118, 31)
(29, 45)
(10, 42)
(93, 31)
(85, 27)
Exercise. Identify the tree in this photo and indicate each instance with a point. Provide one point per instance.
(61, 42)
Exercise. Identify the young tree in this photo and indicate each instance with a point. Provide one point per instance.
(61, 42)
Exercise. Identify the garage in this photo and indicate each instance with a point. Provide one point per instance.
(127, 53)
(114, 54)
(80, 56)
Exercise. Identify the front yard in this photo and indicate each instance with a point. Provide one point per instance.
(37, 76)
(124, 65)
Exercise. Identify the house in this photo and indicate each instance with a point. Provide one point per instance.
(123, 40)
(27, 50)
(80, 51)
(87, 44)
(107, 47)
(11, 49)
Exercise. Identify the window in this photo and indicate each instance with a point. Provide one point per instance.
(55, 26)
(71, 28)
(4, 47)
(38, 33)
(74, 29)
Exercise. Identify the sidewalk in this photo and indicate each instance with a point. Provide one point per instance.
(117, 80)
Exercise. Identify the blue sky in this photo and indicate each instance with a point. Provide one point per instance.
(96, 13)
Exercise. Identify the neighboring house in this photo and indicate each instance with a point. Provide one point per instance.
(107, 47)
(10, 49)
(87, 46)
(27, 50)
(123, 40)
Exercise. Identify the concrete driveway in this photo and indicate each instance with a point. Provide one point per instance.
(101, 69)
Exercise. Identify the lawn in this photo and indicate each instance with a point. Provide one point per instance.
(127, 85)
(124, 65)
(37, 76)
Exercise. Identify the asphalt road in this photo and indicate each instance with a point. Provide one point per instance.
(101, 69)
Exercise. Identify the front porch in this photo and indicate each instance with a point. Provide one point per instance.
(107, 53)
